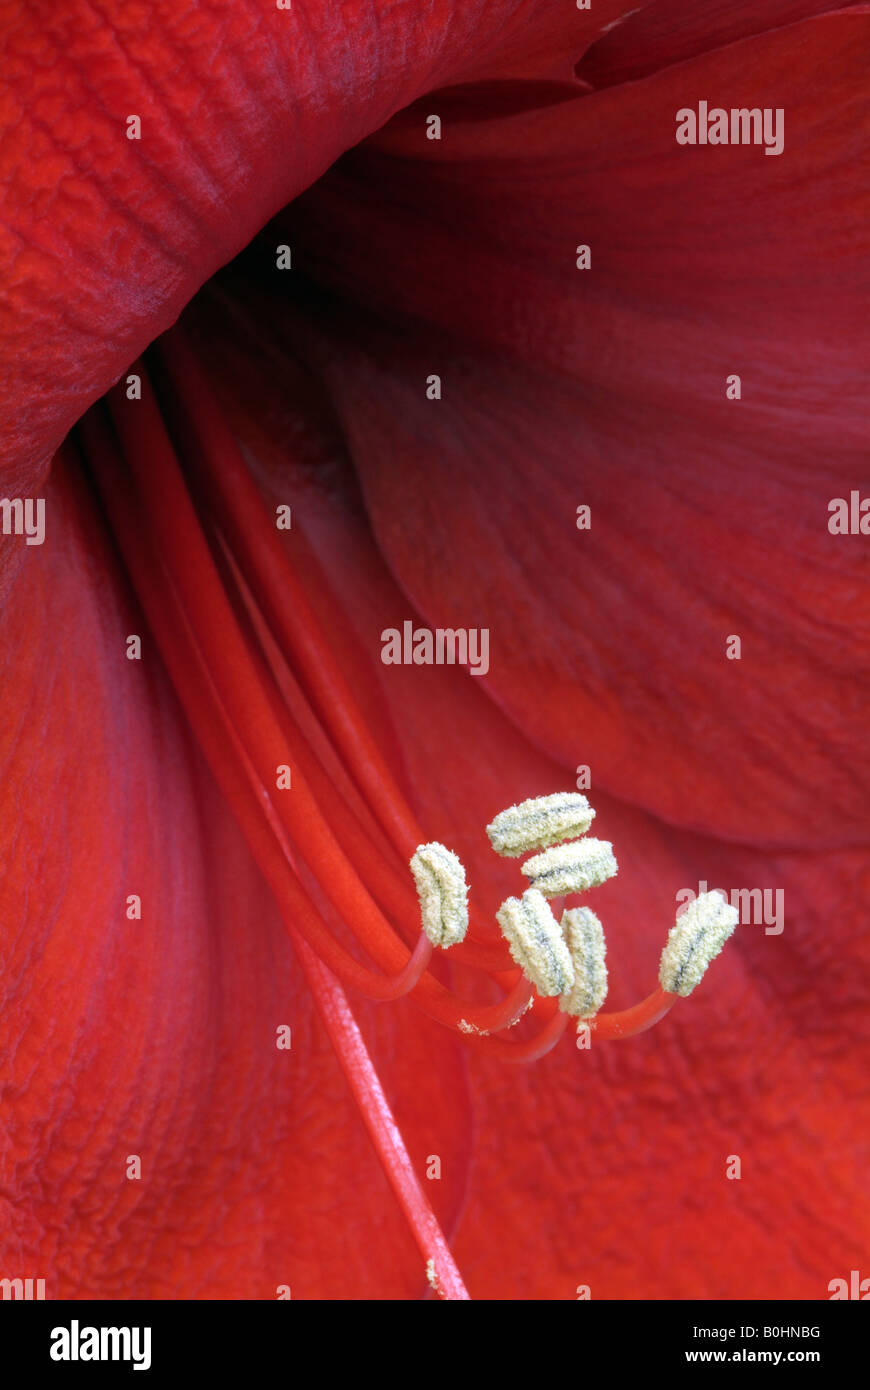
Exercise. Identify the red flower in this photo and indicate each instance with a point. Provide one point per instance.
(561, 387)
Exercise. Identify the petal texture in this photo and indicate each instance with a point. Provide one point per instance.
(241, 105)
(156, 1036)
(606, 388)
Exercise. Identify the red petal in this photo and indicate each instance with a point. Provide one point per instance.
(607, 388)
(242, 105)
(656, 35)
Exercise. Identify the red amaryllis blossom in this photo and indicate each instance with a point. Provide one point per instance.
(561, 387)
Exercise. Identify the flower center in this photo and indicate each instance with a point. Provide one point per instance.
(314, 797)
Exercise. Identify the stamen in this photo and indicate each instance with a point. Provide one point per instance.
(584, 937)
(535, 942)
(474, 1029)
(540, 821)
(533, 1048)
(571, 868)
(698, 937)
(443, 893)
(627, 1023)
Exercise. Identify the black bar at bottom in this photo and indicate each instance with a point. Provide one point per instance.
(168, 1340)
